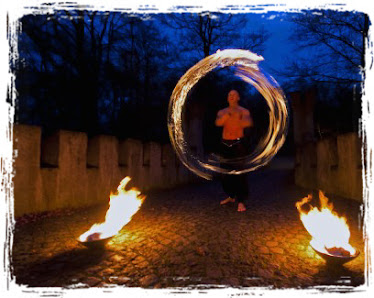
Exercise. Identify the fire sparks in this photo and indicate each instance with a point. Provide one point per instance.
(330, 232)
(122, 206)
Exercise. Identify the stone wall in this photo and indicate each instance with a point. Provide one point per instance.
(332, 165)
(303, 118)
(69, 170)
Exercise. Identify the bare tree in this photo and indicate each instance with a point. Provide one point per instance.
(75, 59)
(330, 56)
(68, 52)
(206, 32)
(254, 39)
(333, 46)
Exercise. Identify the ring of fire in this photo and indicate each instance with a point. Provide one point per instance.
(246, 64)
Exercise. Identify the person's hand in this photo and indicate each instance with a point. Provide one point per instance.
(225, 115)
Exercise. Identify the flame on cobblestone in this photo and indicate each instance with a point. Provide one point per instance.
(330, 232)
(122, 206)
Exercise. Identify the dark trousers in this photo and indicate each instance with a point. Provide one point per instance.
(235, 186)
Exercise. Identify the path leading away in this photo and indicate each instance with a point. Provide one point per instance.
(184, 238)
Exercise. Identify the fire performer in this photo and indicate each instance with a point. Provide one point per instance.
(234, 119)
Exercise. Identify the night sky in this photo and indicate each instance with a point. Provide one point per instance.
(126, 65)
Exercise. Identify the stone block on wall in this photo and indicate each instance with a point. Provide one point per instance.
(123, 160)
(183, 173)
(50, 150)
(72, 165)
(27, 177)
(306, 169)
(145, 169)
(51, 187)
(103, 154)
(169, 171)
(327, 164)
(155, 170)
(131, 160)
(94, 193)
(350, 172)
(150, 173)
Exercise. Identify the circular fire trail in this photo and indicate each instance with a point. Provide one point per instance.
(246, 68)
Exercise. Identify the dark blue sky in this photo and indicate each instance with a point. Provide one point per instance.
(278, 51)
(278, 48)
(142, 66)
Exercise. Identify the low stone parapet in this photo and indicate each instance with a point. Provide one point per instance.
(333, 165)
(27, 177)
(67, 170)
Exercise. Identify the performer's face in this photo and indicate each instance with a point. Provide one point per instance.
(233, 97)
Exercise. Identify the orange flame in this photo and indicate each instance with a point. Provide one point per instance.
(329, 231)
(122, 206)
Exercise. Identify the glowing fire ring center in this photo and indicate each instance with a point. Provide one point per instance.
(247, 69)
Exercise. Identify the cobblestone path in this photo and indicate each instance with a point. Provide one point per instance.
(184, 238)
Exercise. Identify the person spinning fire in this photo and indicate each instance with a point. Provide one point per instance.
(234, 119)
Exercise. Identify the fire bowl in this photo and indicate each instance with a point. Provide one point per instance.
(96, 244)
(332, 259)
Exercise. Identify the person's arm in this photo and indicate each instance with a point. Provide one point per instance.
(246, 120)
(222, 116)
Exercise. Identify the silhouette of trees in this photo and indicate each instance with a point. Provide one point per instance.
(206, 32)
(335, 43)
(332, 48)
(145, 67)
(66, 57)
(79, 70)
(101, 72)
(112, 72)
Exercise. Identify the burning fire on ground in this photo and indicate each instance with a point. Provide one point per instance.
(122, 206)
(330, 232)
